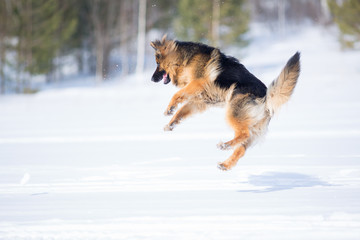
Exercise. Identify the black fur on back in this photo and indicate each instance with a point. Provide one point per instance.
(232, 71)
(192, 48)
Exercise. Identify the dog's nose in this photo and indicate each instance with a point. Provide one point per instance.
(157, 76)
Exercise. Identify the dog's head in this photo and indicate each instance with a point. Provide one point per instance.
(165, 60)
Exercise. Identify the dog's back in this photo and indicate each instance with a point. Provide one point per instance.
(229, 70)
(233, 72)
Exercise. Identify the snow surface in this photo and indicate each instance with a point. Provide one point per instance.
(94, 163)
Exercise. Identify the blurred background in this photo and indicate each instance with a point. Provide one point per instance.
(86, 156)
(44, 42)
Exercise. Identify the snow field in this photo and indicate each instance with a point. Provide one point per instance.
(94, 163)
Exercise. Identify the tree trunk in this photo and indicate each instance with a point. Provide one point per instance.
(281, 16)
(29, 59)
(325, 12)
(106, 58)
(3, 29)
(215, 25)
(99, 45)
(2, 65)
(99, 58)
(141, 37)
(124, 38)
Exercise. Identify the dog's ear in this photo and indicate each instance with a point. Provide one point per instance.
(153, 45)
(163, 39)
(171, 46)
(157, 44)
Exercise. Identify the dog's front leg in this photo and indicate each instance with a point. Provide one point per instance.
(178, 98)
(187, 110)
(190, 90)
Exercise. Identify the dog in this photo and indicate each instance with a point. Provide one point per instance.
(207, 77)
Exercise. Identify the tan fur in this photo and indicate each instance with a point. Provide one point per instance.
(233, 159)
(281, 89)
(195, 75)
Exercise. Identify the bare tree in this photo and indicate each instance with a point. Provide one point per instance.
(281, 16)
(99, 45)
(125, 36)
(4, 15)
(141, 37)
(103, 16)
(215, 25)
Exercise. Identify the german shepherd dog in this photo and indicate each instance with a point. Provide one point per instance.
(207, 77)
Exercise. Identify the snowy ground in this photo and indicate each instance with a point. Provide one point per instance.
(94, 163)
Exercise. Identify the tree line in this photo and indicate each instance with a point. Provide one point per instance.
(104, 37)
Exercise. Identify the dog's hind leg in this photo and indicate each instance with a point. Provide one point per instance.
(242, 132)
(240, 137)
(233, 159)
(239, 119)
(187, 110)
(240, 141)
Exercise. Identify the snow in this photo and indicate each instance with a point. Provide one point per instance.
(94, 162)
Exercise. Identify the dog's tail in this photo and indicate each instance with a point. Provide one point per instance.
(281, 88)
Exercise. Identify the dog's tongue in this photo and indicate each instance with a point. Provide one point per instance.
(166, 79)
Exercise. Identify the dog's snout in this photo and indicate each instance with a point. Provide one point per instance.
(158, 75)
(154, 79)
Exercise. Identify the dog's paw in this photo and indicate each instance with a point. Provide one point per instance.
(169, 127)
(223, 146)
(169, 111)
(222, 167)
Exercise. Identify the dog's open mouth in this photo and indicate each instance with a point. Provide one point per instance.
(160, 75)
(166, 78)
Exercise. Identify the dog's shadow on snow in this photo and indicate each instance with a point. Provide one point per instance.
(277, 181)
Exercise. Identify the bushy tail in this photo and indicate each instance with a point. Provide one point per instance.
(281, 88)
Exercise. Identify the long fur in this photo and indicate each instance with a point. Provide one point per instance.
(207, 77)
(280, 89)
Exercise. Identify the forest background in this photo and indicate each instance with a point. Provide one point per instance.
(48, 41)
